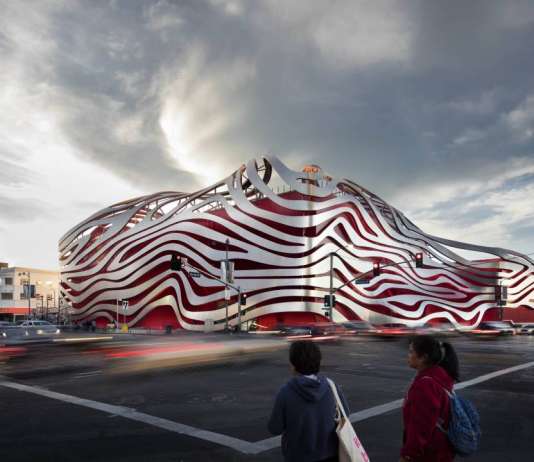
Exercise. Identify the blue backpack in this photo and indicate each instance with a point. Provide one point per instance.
(464, 425)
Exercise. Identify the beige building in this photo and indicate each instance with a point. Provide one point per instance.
(45, 300)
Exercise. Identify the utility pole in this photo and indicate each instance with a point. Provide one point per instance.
(227, 242)
(29, 295)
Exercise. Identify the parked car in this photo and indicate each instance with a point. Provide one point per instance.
(527, 329)
(492, 328)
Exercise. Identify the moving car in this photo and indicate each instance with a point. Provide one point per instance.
(492, 329)
(38, 328)
(393, 330)
(318, 331)
(526, 329)
(6, 328)
(358, 328)
(294, 330)
(441, 328)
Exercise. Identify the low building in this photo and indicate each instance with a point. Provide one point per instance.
(29, 292)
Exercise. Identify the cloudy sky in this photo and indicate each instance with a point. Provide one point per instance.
(428, 104)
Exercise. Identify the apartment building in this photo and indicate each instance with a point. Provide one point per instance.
(29, 292)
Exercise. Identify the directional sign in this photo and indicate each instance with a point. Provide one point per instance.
(361, 281)
(194, 274)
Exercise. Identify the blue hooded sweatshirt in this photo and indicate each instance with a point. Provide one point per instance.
(304, 412)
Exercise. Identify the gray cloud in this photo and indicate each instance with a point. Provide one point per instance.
(423, 104)
(17, 210)
(14, 174)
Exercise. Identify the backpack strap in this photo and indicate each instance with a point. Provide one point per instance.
(450, 394)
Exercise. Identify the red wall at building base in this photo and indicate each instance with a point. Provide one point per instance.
(275, 320)
(521, 314)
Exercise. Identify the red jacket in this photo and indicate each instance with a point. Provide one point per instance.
(425, 404)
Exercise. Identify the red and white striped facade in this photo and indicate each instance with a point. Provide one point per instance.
(281, 227)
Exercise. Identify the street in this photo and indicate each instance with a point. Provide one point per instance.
(67, 402)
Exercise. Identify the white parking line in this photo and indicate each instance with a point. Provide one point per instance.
(243, 446)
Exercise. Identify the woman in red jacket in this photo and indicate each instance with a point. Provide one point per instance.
(426, 410)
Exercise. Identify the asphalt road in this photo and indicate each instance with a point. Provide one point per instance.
(233, 398)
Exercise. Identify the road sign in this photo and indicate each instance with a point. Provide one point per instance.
(361, 281)
(227, 271)
(125, 305)
(194, 274)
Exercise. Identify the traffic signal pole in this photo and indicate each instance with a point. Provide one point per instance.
(331, 289)
(239, 308)
(418, 260)
(186, 264)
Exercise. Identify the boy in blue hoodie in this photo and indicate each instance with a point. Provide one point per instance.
(304, 410)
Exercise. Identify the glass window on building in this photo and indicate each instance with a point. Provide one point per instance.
(7, 296)
(8, 281)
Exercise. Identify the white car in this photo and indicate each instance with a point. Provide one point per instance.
(36, 327)
(5, 328)
(527, 329)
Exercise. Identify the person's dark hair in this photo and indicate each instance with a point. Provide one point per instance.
(437, 353)
(305, 357)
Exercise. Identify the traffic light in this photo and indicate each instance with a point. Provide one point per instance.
(376, 269)
(501, 295)
(419, 260)
(176, 262)
(243, 299)
(504, 293)
(327, 300)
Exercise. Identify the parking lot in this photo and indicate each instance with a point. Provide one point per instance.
(61, 403)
